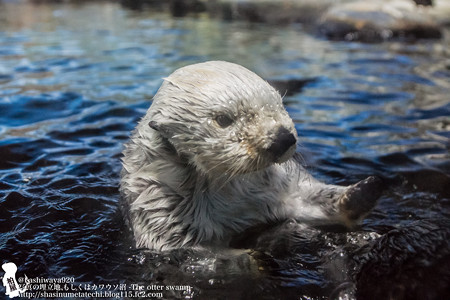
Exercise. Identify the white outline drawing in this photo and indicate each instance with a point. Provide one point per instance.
(9, 280)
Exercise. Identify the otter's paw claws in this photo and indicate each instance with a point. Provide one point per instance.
(360, 198)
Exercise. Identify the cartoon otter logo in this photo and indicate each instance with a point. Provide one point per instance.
(9, 280)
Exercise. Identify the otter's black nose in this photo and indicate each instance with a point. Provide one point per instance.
(283, 141)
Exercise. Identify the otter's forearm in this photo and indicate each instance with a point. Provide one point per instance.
(322, 204)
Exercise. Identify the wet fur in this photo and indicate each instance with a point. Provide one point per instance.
(187, 181)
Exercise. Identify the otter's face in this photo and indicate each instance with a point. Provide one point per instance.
(224, 119)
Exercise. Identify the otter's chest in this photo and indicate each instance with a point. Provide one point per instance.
(259, 198)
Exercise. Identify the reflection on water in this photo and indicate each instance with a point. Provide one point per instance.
(76, 78)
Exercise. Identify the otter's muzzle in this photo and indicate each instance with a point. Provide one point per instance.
(284, 140)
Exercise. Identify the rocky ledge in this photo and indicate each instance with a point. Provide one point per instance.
(379, 21)
(353, 20)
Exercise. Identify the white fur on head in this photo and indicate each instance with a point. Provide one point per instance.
(211, 159)
(186, 109)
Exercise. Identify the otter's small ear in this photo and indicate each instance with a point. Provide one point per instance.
(154, 125)
(163, 129)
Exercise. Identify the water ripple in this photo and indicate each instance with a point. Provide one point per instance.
(73, 86)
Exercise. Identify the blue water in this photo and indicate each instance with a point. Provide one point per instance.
(75, 80)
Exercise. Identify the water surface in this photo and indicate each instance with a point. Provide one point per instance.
(75, 80)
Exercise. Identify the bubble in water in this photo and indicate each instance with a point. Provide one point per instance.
(138, 258)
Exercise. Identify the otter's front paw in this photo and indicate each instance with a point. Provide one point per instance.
(360, 198)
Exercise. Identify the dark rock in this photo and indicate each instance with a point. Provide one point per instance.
(274, 12)
(378, 21)
(424, 2)
(177, 8)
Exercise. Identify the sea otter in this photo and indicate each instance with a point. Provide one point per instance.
(214, 156)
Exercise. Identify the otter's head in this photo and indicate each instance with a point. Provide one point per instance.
(223, 119)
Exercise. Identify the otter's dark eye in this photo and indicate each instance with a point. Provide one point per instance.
(224, 121)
